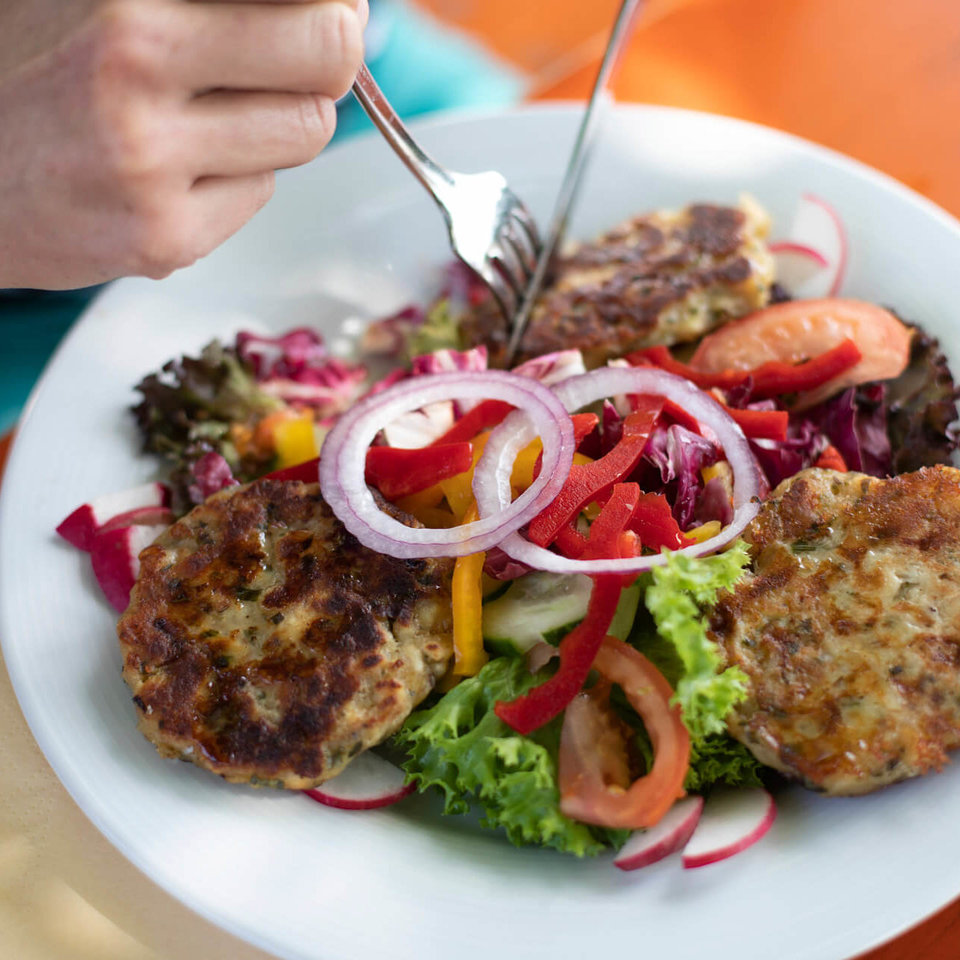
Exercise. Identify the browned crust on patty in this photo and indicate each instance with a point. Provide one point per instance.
(264, 643)
(661, 278)
(848, 628)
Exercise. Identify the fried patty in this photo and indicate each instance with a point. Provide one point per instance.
(663, 278)
(264, 643)
(848, 628)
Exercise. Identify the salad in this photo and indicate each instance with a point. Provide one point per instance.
(587, 703)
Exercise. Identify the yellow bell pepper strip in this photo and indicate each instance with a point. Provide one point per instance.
(468, 653)
(430, 497)
(705, 531)
(428, 507)
(459, 489)
(397, 472)
(294, 440)
(526, 467)
(594, 480)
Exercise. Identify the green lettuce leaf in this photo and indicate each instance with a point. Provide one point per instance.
(440, 330)
(462, 748)
(679, 591)
(721, 759)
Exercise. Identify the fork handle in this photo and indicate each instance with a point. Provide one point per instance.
(434, 177)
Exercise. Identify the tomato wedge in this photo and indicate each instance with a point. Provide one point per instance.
(794, 331)
(594, 785)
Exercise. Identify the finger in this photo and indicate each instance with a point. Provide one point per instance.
(361, 6)
(300, 47)
(210, 212)
(233, 134)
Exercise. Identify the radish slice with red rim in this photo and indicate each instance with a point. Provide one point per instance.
(81, 526)
(817, 227)
(732, 820)
(115, 554)
(344, 487)
(798, 264)
(669, 835)
(492, 489)
(142, 516)
(367, 783)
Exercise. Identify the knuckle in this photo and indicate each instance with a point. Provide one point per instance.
(163, 242)
(339, 35)
(134, 150)
(126, 42)
(316, 123)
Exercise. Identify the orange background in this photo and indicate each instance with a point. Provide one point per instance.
(876, 79)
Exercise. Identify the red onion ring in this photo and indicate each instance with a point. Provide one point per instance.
(342, 464)
(493, 492)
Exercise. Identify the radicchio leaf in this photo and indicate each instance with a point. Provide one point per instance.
(855, 422)
(211, 473)
(680, 454)
(780, 459)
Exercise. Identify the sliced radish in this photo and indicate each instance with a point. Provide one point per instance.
(732, 820)
(142, 516)
(367, 783)
(797, 264)
(818, 230)
(668, 836)
(116, 559)
(418, 428)
(81, 526)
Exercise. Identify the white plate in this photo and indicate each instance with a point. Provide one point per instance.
(352, 236)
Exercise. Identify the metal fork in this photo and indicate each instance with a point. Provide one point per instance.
(490, 229)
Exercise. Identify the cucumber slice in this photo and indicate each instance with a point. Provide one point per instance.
(536, 607)
(626, 612)
(545, 607)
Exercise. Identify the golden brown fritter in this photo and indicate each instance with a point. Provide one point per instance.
(667, 277)
(264, 643)
(848, 628)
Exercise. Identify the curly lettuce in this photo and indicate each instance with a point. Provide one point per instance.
(460, 747)
(676, 597)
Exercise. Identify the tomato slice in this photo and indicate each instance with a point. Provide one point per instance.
(594, 785)
(795, 331)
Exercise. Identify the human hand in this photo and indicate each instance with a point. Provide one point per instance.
(137, 135)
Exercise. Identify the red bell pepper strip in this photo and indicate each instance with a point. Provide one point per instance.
(587, 482)
(770, 379)
(654, 523)
(832, 459)
(661, 357)
(606, 540)
(677, 413)
(397, 472)
(577, 650)
(304, 472)
(486, 414)
(609, 538)
(583, 425)
(570, 541)
(761, 424)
